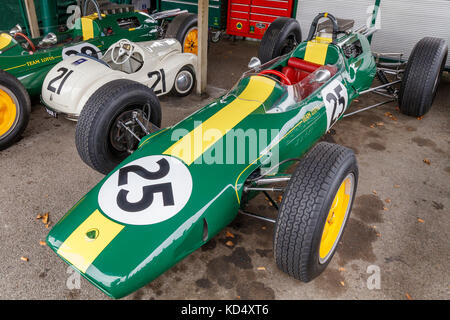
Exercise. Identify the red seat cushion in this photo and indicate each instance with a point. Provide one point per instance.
(290, 73)
(303, 65)
(294, 75)
(298, 69)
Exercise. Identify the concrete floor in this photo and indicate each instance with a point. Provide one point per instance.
(400, 224)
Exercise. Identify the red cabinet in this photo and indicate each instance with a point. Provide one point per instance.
(250, 18)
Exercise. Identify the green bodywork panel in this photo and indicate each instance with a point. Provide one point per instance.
(217, 10)
(136, 254)
(31, 68)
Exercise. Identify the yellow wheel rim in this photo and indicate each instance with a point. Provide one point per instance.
(336, 218)
(7, 111)
(190, 44)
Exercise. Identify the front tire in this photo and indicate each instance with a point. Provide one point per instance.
(422, 76)
(184, 82)
(101, 137)
(314, 210)
(15, 109)
(184, 28)
(282, 36)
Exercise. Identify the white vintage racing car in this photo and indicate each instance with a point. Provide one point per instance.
(160, 65)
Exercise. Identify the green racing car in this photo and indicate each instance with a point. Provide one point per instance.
(185, 183)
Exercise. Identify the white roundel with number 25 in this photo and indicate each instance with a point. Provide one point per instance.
(335, 97)
(146, 191)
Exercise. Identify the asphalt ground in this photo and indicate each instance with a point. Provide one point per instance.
(395, 246)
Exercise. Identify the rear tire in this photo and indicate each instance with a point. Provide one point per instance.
(282, 36)
(422, 76)
(98, 126)
(302, 248)
(15, 109)
(184, 28)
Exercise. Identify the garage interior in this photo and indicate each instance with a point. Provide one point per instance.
(399, 226)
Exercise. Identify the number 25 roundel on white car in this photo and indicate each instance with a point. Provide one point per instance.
(146, 191)
(160, 65)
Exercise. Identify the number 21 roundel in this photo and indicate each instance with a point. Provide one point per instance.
(335, 97)
(146, 191)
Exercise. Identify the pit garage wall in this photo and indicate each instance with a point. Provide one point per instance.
(403, 22)
(10, 15)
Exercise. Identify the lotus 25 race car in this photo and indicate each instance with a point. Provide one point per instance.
(185, 183)
(25, 62)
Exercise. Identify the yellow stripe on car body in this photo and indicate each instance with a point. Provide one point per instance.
(80, 250)
(192, 145)
(22, 65)
(87, 25)
(5, 40)
(316, 52)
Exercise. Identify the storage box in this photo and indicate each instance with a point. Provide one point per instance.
(251, 18)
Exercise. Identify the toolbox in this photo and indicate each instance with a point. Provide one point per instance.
(251, 18)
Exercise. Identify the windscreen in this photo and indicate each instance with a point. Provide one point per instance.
(278, 96)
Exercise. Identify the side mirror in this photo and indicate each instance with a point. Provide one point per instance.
(322, 75)
(254, 63)
(15, 30)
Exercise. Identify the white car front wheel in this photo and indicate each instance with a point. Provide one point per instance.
(184, 82)
(113, 122)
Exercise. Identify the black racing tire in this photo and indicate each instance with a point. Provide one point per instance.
(15, 109)
(179, 92)
(282, 36)
(305, 209)
(96, 122)
(179, 29)
(422, 76)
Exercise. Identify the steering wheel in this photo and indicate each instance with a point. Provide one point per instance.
(20, 34)
(278, 74)
(124, 47)
(314, 24)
